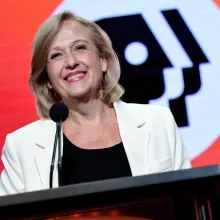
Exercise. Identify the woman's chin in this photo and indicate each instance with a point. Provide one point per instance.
(80, 95)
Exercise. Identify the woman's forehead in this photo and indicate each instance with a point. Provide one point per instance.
(72, 30)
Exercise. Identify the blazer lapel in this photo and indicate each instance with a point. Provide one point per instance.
(43, 152)
(135, 137)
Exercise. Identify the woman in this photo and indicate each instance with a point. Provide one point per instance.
(73, 62)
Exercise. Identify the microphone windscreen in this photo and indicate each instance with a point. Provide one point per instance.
(59, 112)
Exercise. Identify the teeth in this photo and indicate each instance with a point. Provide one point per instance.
(75, 76)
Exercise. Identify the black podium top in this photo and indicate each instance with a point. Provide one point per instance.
(190, 182)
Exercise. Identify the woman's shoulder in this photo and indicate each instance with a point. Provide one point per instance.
(31, 128)
(156, 116)
(20, 139)
(146, 109)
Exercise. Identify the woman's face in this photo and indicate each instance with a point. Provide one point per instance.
(74, 66)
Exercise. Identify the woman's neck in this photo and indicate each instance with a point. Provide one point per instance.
(91, 112)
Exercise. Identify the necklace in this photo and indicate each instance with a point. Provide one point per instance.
(97, 140)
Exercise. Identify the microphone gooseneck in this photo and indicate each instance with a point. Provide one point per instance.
(58, 113)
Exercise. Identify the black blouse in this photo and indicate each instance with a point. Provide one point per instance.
(84, 165)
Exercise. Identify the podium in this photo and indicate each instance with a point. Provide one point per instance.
(185, 194)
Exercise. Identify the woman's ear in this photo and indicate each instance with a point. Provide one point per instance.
(104, 65)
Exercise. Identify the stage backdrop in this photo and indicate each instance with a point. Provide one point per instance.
(169, 52)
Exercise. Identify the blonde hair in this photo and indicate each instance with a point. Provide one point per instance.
(111, 91)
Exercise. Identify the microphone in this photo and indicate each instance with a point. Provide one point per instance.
(58, 113)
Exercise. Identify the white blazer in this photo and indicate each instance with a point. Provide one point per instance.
(149, 135)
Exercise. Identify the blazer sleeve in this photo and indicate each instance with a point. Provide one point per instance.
(178, 151)
(11, 180)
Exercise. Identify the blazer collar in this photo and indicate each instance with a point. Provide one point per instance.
(135, 135)
(43, 152)
(46, 134)
(125, 113)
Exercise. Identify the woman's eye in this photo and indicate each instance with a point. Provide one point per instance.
(55, 55)
(81, 47)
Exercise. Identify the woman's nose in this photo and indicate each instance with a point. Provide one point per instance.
(70, 61)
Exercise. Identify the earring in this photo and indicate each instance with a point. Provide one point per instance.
(49, 86)
(52, 95)
(104, 74)
(48, 94)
